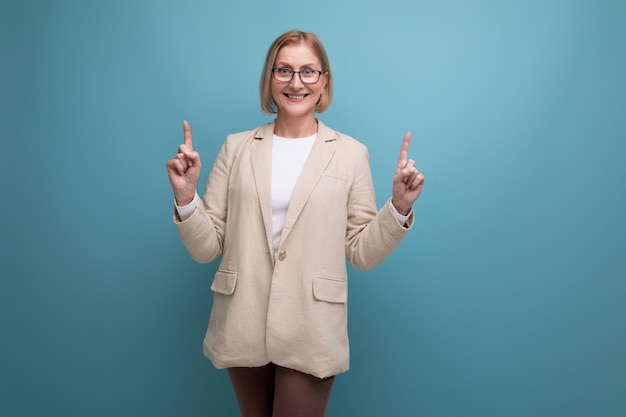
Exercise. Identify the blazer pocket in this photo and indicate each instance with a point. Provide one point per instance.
(330, 290)
(224, 282)
(336, 176)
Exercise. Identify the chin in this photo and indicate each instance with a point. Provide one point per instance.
(296, 111)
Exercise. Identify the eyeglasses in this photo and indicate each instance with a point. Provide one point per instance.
(307, 75)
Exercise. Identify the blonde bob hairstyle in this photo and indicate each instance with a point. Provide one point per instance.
(268, 105)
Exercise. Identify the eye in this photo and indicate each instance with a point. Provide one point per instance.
(308, 72)
(284, 71)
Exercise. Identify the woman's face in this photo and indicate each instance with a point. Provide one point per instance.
(295, 98)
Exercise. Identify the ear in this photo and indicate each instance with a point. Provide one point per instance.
(325, 76)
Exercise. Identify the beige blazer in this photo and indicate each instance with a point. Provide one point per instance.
(289, 309)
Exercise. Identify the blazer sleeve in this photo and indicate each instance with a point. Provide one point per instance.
(203, 232)
(370, 235)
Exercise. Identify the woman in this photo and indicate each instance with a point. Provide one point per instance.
(284, 205)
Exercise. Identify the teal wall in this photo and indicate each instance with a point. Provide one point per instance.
(506, 299)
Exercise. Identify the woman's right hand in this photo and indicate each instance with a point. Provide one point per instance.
(184, 169)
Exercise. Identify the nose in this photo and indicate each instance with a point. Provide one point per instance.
(296, 81)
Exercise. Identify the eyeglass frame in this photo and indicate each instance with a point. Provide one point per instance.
(293, 73)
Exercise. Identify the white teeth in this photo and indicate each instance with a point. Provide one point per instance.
(295, 97)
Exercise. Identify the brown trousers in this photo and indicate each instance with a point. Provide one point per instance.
(274, 391)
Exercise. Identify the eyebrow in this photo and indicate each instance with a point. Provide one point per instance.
(285, 65)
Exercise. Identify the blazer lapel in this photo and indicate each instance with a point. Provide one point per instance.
(261, 160)
(321, 154)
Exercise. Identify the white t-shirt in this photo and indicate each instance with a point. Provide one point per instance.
(288, 159)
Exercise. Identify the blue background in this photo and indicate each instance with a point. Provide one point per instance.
(506, 299)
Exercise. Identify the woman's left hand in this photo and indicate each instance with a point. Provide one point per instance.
(407, 182)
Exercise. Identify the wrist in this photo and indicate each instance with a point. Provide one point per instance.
(183, 199)
(403, 209)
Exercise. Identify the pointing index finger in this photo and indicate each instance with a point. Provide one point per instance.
(404, 150)
(187, 136)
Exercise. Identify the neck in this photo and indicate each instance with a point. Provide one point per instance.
(295, 128)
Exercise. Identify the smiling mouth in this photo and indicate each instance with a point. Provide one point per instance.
(294, 97)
